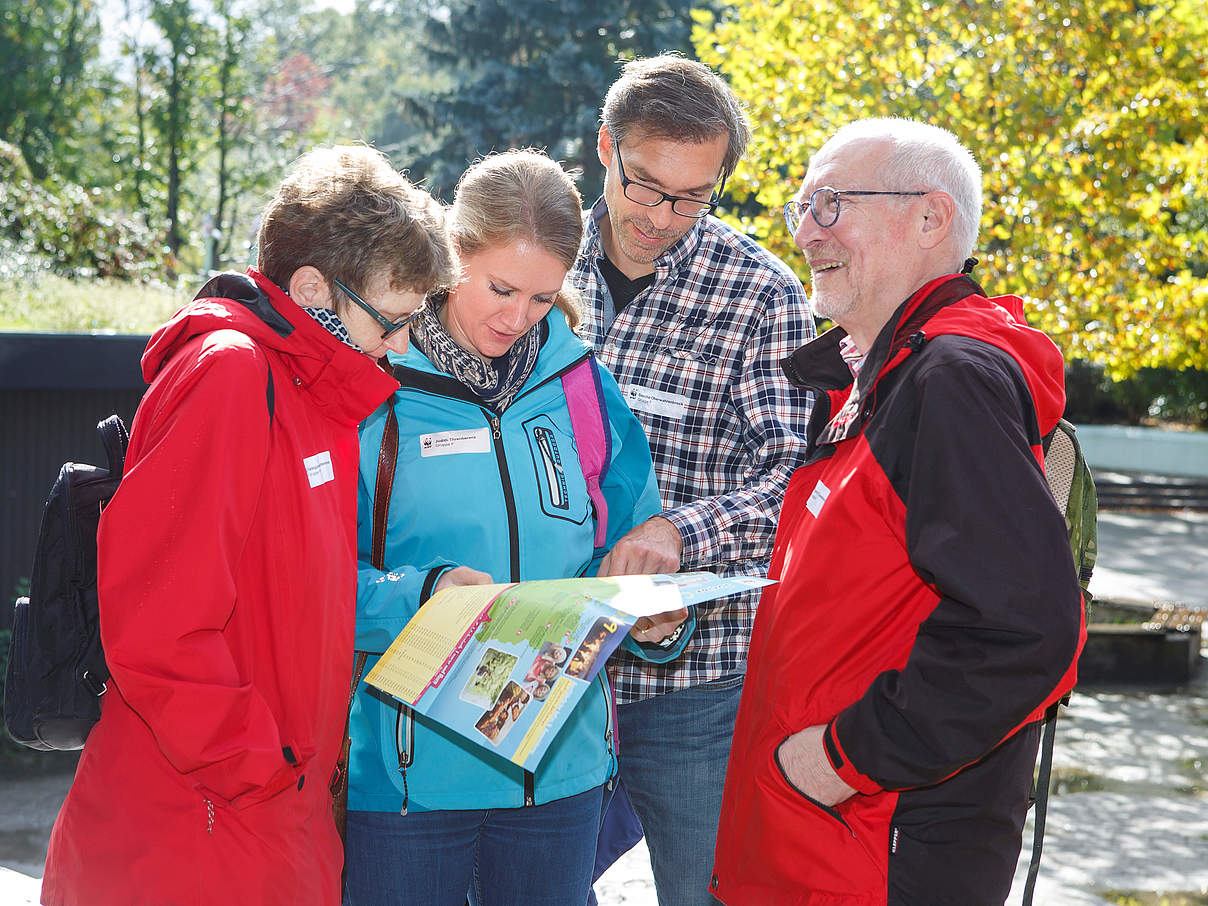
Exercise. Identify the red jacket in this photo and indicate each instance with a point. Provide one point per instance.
(927, 613)
(227, 578)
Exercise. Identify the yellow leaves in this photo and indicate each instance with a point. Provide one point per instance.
(1089, 133)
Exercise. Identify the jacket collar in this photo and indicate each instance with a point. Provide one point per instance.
(844, 403)
(818, 366)
(345, 384)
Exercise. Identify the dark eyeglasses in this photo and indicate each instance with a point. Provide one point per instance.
(824, 206)
(651, 198)
(390, 328)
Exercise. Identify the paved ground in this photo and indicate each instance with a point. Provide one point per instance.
(1143, 557)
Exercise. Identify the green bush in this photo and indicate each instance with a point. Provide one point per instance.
(65, 227)
(1151, 396)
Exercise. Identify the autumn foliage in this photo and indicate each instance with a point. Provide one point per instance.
(1087, 118)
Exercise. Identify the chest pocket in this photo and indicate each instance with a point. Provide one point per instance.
(694, 342)
(556, 471)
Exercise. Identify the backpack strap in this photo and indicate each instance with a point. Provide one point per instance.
(589, 422)
(115, 439)
(1060, 462)
(1043, 779)
(383, 486)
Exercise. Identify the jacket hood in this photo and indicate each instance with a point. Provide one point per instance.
(344, 382)
(1000, 321)
(228, 301)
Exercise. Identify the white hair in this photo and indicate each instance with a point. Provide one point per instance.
(923, 156)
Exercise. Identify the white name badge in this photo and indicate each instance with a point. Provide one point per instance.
(318, 469)
(446, 443)
(656, 402)
(817, 498)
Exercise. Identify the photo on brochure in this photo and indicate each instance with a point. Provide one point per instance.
(547, 665)
(582, 663)
(498, 720)
(486, 681)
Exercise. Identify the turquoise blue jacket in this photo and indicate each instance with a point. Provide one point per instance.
(489, 503)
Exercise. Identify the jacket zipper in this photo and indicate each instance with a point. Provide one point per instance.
(830, 810)
(609, 714)
(209, 816)
(530, 788)
(509, 497)
(404, 733)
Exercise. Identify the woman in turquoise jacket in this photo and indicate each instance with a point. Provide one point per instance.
(488, 487)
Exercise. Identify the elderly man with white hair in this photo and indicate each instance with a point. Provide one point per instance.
(927, 611)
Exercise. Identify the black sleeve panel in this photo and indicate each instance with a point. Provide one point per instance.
(953, 434)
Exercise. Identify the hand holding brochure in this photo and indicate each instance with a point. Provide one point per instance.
(504, 665)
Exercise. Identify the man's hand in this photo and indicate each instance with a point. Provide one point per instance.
(461, 575)
(803, 760)
(654, 546)
(656, 628)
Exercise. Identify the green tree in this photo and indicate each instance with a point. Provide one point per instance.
(178, 76)
(137, 14)
(507, 73)
(47, 52)
(1087, 119)
(229, 102)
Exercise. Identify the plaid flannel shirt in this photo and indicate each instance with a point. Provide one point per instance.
(697, 355)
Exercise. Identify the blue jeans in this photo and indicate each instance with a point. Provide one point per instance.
(673, 751)
(541, 855)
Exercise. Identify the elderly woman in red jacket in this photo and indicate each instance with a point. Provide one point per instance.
(227, 558)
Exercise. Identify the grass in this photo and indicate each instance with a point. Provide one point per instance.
(1156, 898)
(46, 302)
(1076, 780)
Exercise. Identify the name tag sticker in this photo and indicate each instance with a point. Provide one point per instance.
(318, 469)
(817, 498)
(656, 402)
(446, 443)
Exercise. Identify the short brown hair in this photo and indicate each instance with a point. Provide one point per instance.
(672, 97)
(521, 194)
(347, 212)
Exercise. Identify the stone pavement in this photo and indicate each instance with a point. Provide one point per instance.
(1143, 557)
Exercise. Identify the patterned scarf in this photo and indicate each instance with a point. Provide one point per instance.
(497, 381)
(331, 322)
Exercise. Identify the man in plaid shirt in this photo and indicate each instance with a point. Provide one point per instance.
(693, 318)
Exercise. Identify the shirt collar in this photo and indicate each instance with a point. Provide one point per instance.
(851, 355)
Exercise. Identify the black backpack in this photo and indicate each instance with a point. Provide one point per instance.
(56, 668)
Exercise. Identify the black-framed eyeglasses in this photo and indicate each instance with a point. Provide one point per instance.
(650, 197)
(824, 206)
(389, 328)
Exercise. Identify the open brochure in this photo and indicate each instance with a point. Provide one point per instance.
(504, 665)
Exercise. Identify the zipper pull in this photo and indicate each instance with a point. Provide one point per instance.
(495, 431)
(402, 769)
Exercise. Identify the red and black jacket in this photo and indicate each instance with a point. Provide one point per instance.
(927, 611)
